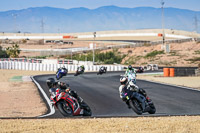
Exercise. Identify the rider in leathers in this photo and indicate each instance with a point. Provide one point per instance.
(57, 88)
(130, 86)
(130, 69)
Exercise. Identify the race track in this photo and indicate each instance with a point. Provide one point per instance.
(101, 94)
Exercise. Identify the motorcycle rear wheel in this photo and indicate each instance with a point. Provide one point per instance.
(64, 109)
(135, 107)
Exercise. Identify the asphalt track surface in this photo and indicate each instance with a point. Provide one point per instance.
(101, 93)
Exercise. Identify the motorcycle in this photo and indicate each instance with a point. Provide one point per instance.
(131, 77)
(61, 72)
(134, 100)
(102, 70)
(140, 70)
(71, 106)
(79, 71)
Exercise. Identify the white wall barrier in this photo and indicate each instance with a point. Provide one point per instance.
(52, 67)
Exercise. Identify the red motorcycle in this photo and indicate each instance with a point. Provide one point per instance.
(70, 106)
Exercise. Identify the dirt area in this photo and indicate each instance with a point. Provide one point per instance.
(19, 98)
(181, 81)
(180, 55)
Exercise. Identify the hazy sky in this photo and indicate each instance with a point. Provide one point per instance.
(6, 5)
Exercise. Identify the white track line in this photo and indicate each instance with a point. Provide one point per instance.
(188, 88)
(52, 109)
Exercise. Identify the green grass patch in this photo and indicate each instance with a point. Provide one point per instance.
(16, 79)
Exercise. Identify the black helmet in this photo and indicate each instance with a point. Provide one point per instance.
(123, 80)
(63, 85)
(50, 82)
(129, 67)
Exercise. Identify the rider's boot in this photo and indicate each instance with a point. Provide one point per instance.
(127, 102)
(80, 99)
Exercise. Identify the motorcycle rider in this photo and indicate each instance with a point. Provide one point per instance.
(82, 68)
(65, 88)
(103, 68)
(130, 69)
(52, 84)
(130, 86)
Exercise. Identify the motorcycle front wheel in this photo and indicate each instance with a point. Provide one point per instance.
(58, 76)
(135, 106)
(87, 111)
(64, 108)
(152, 109)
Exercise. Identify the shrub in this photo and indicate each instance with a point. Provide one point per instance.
(197, 52)
(107, 58)
(3, 53)
(195, 59)
(154, 53)
(13, 51)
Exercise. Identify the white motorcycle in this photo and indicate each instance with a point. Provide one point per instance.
(131, 77)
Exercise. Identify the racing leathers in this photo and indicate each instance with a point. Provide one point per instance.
(132, 71)
(130, 86)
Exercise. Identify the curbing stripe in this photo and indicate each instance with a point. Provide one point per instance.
(52, 109)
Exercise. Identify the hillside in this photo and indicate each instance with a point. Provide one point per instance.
(181, 54)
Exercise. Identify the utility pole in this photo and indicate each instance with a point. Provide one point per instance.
(93, 48)
(42, 25)
(163, 31)
(196, 23)
(15, 24)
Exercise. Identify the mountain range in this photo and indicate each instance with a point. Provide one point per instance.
(57, 20)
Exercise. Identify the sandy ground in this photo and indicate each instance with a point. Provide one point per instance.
(19, 98)
(19, 91)
(106, 125)
(193, 82)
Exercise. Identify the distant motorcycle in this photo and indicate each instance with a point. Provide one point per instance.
(61, 72)
(140, 70)
(80, 70)
(137, 106)
(71, 106)
(102, 70)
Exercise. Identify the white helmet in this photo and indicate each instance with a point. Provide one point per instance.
(123, 80)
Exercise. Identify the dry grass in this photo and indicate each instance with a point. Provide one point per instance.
(183, 124)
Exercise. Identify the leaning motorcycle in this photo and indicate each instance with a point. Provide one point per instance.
(79, 71)
(70, 106)
(102, 70)
(61, 72)
(137, 106)
(140, 70)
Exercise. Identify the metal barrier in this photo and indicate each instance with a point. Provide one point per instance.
(65, 61)
(52, 67)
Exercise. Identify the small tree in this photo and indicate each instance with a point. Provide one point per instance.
(3, 53)
(13, 51)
